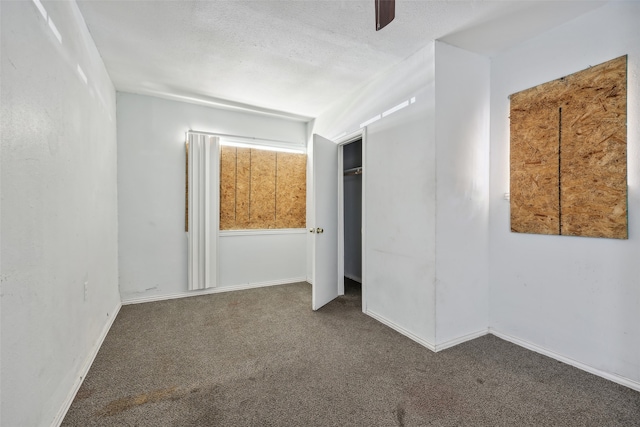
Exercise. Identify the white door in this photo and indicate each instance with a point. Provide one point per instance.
(325, 228)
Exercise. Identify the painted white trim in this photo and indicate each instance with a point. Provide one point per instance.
(252, 141)
(461, 339)
(341, 218)
(349, 138)
(360, 134)
(363, 279)
(195, 293)
(401, 330)
(85, 368)
(255, 145)
(232, 233)
(634, 385)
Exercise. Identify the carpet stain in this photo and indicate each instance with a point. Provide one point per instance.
(84, 393)
(124, 404)
(400, 413)
(480, 381)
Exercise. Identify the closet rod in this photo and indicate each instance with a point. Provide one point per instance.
(353, 171)
(253, 138)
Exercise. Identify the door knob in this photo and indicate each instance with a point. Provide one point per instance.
(319, 230)
(312, 230)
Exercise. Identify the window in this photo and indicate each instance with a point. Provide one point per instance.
(262, 189)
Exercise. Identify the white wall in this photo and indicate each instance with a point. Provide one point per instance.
(151, 182)
(399, 179)
(426, 193)
(59, 208)
(462, 164)
(575, 297)
(262, 257)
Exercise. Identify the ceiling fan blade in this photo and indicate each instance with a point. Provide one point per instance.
(385, 12)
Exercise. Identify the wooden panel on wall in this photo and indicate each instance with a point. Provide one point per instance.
(568, 155)
(243, 185)
(291, 190)
(261, 189)
(262, 206)
(534, 168)
(227, 187)
(594, 152)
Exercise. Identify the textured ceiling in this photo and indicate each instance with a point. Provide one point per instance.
(293, 56)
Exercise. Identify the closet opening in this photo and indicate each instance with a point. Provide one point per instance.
(351, 217)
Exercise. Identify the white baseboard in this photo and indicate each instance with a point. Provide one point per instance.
(186, 294)
(425, 343)
(401, 330)
(634, 385)
(85, 368)
(618, 379)
(461, 339)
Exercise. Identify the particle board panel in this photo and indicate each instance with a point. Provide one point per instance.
(587, 112)
(243, 187)
(262, 209)
(534, 166)
(291, 190)
(594, 152)
(227, 187)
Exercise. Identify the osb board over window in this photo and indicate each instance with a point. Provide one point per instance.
(262, 189)
(291, 190)
(569, 154)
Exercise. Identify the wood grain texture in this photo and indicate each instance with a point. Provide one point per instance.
(594, 152)
(227, 187)
(587, 112)
(262, 209)
(243, 186)
(262, 189)
(534, 166)
(291, 190)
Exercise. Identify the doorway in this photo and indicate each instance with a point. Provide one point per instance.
(350, 212)
(328, 228)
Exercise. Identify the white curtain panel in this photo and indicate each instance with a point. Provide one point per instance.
(203, 210)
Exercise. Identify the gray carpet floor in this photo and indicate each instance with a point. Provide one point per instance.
(261, 357)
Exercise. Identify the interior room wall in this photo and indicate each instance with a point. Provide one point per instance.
(59, 208)
(399, 179)
(151, 182)
(575, 298)
(261, 258)
(462, 199)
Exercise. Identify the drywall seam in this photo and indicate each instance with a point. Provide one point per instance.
(634, 385)
(401, 330)
(85, 368)
(186, 294)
